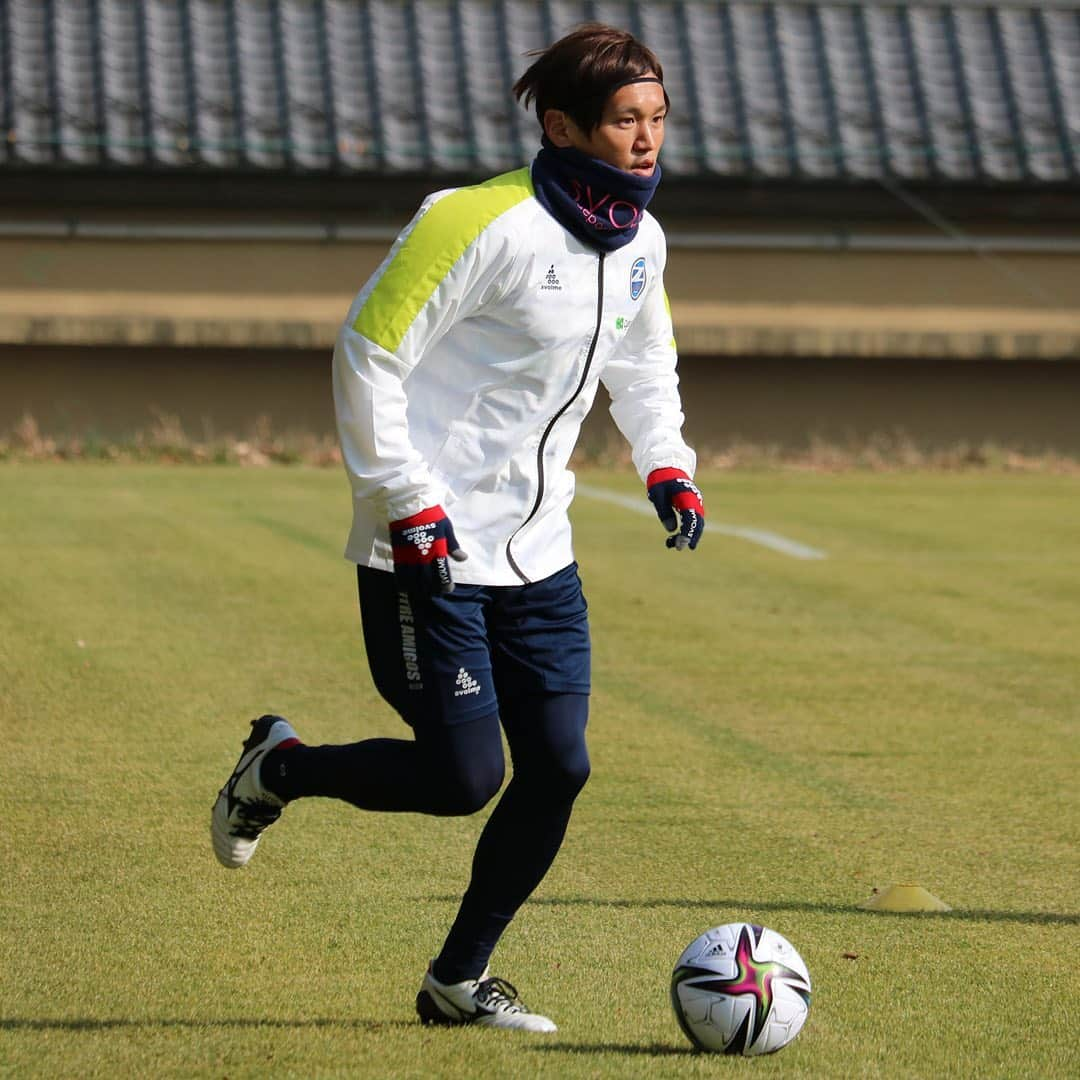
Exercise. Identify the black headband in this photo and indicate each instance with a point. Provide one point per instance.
(635, 79)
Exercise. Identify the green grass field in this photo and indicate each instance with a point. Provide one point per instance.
(771, 739)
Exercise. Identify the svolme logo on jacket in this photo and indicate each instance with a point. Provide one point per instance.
(551, 281)
(637, 278)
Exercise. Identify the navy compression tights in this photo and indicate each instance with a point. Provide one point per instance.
(457, 769)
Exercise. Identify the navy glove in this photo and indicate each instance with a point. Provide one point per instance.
(672, 492)
(422, 546)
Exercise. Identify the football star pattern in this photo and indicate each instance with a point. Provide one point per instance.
(753, 978)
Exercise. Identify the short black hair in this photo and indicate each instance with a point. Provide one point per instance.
(582, 70)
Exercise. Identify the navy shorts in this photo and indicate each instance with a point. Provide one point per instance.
(447, 659)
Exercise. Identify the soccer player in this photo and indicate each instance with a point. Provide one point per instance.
(461, 378)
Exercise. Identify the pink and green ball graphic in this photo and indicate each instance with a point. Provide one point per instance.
(740, 989)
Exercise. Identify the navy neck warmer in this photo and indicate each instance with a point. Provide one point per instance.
(601, 205)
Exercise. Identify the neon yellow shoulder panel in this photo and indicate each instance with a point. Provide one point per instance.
(436, 243)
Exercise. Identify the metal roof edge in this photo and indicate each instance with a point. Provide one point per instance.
(825, 240)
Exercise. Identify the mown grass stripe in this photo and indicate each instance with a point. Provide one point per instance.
(762, 537)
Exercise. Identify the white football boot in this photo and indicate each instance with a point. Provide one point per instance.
(485, 1002)
(244, 807)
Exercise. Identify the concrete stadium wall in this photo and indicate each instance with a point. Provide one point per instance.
(104, 326)
(732, 301)
(112, 392)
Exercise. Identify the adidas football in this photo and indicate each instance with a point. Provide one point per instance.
(740, 989)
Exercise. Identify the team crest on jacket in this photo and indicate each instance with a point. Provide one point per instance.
(637, 278)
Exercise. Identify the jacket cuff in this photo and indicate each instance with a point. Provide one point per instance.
(682, 462)
(407, 506)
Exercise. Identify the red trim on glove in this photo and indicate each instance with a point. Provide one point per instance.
(687, 500)
(659, 476)
(429, 516)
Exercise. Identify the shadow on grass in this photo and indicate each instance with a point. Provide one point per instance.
(90, 1024)
(1034, 918)
(652, 1050)
(94, 1024)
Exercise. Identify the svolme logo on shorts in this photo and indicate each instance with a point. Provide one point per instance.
(466, 684)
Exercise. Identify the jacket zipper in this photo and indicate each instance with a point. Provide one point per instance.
(555, 419)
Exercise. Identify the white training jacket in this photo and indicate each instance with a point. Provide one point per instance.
(468, 362)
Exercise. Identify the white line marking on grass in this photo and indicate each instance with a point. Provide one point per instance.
(771, 540)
